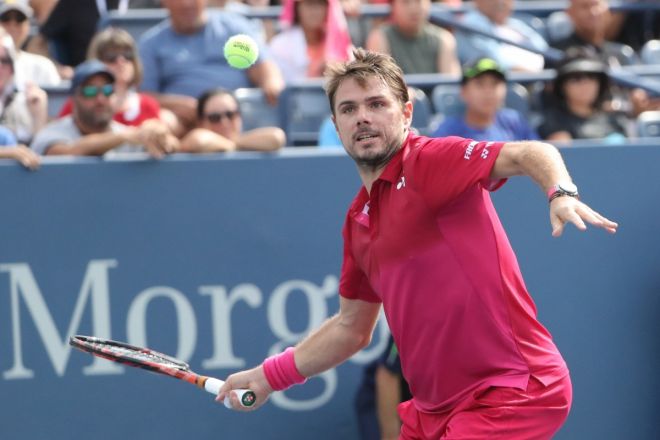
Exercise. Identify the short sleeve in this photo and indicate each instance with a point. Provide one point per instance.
(51, 134)
(446, 167)
(7, 137)
(353, 282)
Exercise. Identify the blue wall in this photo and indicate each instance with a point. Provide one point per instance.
(224, 259)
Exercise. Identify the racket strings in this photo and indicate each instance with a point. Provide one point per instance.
(139, 356)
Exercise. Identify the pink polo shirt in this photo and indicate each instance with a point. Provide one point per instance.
(428, 244)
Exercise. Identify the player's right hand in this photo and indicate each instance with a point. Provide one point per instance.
(254, 380)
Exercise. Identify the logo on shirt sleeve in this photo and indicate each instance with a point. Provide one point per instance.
(468, 151)
(485, 151)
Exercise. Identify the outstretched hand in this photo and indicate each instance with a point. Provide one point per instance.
(254, 380)
(569, 209)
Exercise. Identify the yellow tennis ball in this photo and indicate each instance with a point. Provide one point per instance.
(241, 51)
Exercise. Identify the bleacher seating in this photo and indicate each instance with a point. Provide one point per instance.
(255, 111)
(57, 95)
(306, 109)
(650, 52)
(648, 124)
(422, 110)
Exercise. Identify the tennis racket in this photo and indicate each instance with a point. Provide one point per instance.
(155, 362)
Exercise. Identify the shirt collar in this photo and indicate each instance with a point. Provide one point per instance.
(392, 170)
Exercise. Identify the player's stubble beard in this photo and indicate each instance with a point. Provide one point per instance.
(378, 161)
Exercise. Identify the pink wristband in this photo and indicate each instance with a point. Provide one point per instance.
(281, 371)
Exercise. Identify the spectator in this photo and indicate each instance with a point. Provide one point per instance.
(90, 130)
(495, 16)
(417, 45)
(580, 88)
(25, 111)
(636, 27)
(116, 48)
(9, 149)
(383, 387)
(183, 57)
(483, 90)
(15, 19)
(71, 25)
(315, 33)
(591, 21)
(220, 128)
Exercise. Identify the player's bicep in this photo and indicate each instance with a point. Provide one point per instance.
(508, 161)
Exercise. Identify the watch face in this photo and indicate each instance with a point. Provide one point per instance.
(570, 188)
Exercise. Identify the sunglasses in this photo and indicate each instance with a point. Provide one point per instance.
(216, 117)
(112, 57)
(93, 91)
(5, 61)
(16, 16)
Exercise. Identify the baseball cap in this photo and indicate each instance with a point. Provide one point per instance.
(88, 69)
(16, 5)
(480, 66)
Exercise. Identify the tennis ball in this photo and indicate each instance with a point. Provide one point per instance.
(241, 51)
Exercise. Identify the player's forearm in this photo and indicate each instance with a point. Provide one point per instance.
(338, 338)
(328, 347)
(540, 161)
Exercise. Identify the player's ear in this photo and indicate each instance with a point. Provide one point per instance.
(408, 113)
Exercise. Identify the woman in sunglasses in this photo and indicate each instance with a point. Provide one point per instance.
(220, 128)
(116, 48)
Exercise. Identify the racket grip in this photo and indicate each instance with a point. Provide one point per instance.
(246, 397)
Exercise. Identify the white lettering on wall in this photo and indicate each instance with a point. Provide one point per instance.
(136, 325)
(221, 307)
(317, 312)
(94, 288)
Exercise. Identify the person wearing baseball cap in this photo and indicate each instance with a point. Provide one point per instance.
(90, 129)
(483, 92)
(15, 16)
(577, 111)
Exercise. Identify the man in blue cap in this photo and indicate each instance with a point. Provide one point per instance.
(90, 130)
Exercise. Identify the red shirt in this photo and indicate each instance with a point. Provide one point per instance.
(148, 108)
(427, 242)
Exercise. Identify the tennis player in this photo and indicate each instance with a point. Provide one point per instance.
(422, 238)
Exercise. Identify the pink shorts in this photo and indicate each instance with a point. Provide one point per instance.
(494, 413)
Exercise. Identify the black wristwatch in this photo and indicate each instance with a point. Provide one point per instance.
(563, 189)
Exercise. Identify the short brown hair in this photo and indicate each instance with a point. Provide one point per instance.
(113, 38)
(365, 65)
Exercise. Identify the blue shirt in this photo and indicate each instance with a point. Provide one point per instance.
(472, 46)
(7, 137)
(328, 136)
(509, 125)
(192, 64)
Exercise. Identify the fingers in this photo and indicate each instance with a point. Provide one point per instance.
(569, 210)
(253, 380)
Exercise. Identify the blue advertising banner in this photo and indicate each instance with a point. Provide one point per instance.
(223, 260)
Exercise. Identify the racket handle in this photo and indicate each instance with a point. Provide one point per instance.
(246, 397)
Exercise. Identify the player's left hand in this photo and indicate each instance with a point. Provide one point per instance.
(569, 209)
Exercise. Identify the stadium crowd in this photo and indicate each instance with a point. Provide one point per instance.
(76, 80)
